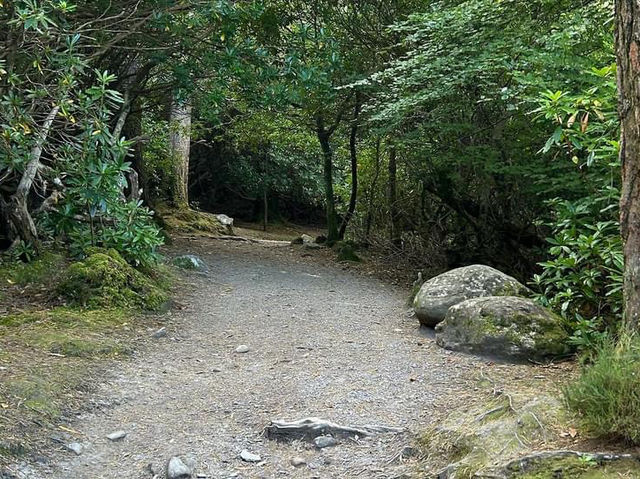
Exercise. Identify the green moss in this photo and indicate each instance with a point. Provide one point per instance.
(346, 251)
(513, 289)
(43, 269)
(582, 467)
(189, 221)
(69, 332)
(105, 280)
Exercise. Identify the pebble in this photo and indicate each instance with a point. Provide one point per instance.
(243, 348)
(160, 333)
(324, 441)
(249, 456)
(176, 469)
(75, 447)
(117, 436)
(298, 461)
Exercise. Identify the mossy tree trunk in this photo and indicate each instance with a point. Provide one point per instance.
(180, 144)
(628, 57)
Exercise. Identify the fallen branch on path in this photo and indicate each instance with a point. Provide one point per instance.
(252, 240)
(312, 427)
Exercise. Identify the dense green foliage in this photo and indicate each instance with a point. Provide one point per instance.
(583, 276)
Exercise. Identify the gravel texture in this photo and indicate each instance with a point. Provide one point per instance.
(321, 342)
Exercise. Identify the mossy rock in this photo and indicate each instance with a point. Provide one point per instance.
(508, 327)
(190, 262)
(569, 465)
(105, 280)
(467, 444)
(440, 293)
(346, 251)
(190, 221)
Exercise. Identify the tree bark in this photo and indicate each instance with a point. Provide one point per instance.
(628, 57)
(180, 143)
(353, 137)
(332, 220)
(22, 222)
(372, 190)
(394, 233)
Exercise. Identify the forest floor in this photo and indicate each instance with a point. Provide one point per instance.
(324, 339)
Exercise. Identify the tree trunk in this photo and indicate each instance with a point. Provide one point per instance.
(327, 153)
(179, 144)
(24, 227)
(628, 56)
(394, 233)
(133, 129)
(353, 137)
(372, 190)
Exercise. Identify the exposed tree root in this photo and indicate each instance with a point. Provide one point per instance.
(312, 427)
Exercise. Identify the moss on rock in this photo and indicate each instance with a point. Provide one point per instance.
(504, 326)
(572, 465)
(346, 251)
(105, 280)
(190, 221)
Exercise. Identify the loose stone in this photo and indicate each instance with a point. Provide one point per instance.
(117, 436)
(249, 456)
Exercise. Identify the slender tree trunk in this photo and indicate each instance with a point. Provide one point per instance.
(23, 225)
(327, 153)
(394, 232)
(180, 143)
(628, 56)
(372, 190)
(265, 194)
(353, 137)
(133, 129)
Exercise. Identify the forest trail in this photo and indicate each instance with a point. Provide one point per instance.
(322, 342)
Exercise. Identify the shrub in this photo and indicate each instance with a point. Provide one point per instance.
(582, 277)
(607, 393)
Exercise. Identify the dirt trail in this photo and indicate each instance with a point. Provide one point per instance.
(323, 342)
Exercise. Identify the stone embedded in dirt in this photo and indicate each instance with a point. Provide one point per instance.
(191, 262)
(243, 348)
(160, 333)
(247, 456)
(504, 326)
(437, 295)
(177, 469)
(226, 222)
(75, 447)
(298, 461)
(117, 436)
(324, 441)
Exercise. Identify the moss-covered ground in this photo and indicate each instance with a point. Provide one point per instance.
(61, 323)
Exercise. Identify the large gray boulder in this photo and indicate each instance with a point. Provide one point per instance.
(508, 327)
(438, 294)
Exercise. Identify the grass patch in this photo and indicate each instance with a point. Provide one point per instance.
(607, 394)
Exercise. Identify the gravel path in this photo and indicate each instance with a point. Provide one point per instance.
(322, 342)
